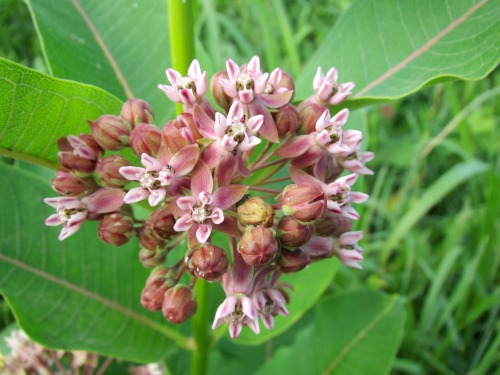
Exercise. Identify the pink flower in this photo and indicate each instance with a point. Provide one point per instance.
(354, 160)
(338, 193)
(238, 308)
(328, 91)
(188, 90)
(348, 250)
(204, 208)
(157, 176)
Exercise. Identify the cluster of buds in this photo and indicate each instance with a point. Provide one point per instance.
(206, 171)
(28, 357)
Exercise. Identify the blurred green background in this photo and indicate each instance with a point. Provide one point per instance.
(431, 225)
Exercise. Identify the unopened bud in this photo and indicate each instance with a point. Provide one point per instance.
(292, 261)
(333, 225)
(286, 119)
(255, 212)
(157, 284)
(152, 258)
(162, 222)
(116, 229)
(149, 239)
(207, 261)
(293, 234)
(110, 132)
(136, 111)
(108, 171)
(79, 154)
(258, 246)
(67, 184)
(309, 115)
(145, 138)
(218, 93)
(305, 202)
(286, 81)
(179, 304)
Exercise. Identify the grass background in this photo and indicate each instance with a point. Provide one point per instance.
(431, 225)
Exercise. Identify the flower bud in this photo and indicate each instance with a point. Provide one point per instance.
(67, 184)
(255, 212)
(258, 246)
(207, 261)
(333, 225)
(286, 119)
(149, 239)
(293, 234)
(79, 154)
(162, 222)
(292, 261)
(107, 170)
(152, 258)
(145, 138)
(179, 304)
(286, 81)
(305, 202)
(110, 132)
(157, 284)
(136, 111)
(116, 229)
(309, 115)
(218, 93)
(187, 127)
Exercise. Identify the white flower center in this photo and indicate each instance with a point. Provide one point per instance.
(200, 214)
(149, 180)
(244, 82)
(66, 213)
(334, 131)
(343, 196)
(186, 83)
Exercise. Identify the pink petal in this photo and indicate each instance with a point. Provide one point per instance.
(68, 231)
(194, 69)
(212, 154)
(229, 87)
(268, 320)
(324, 92)
(236, 110)
(201, 84)
(253, 67)
(67, 202)
(204, 123)
(53, 220)
(234, 328)
(187, 97)
(228, 195)
(248, 308)
(203, 232)
(332, 75)
(245, 96)
(220, 125)
(311, 156)
(278, 99)
(341, 117)
(347, 86)
(186, 203)
(104, 200)
(357, 197)
(299, 176)
(150, 163)
(226, 169)
(268, 128)
(318, 79)
(201, 179)
(183, 223)
(323, 121)
(217, 216)
(228, 143)
(248, 144)
(254, 123)
(350, 212)
(135, 195)
(171, 93)
(339, 98)
(294, 147)
(132, 173)
(173, 76)
(156, 197)
(261, 83)
(226, 308)
(184, 160)
(233, 70)
(350, 238)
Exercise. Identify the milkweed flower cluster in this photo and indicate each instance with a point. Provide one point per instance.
(211, 170)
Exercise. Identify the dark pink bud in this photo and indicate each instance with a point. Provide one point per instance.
(145, 138)
(218, 93)
(149, 239)
(286, 81)
(309, 115)
(116, 229)
(154, 292)
(179, 304)
(255, 212)
(293, 234)
(306, 201)
(162, 222)
(103, 201)
(152, 258)
(67, 184)
(79, 154)
(107, 170)
(110, 132)
(187, 127)
(258, 246)
(292, 261)
(286, 119)
(207, 261)
(333, 225)
(136, 111)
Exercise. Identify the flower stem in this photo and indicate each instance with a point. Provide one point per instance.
(201, 331)
(181, 23)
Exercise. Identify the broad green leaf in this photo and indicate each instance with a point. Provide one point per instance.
(353, 333)
(439, 189)
(120, 45)
(392, 48)
(37, 109)
(79, 294)
(309, 285)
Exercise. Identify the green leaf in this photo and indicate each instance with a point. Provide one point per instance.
(309, 285)
(79, 294)
(120, 45)
(353, 333)
(38, 109)
(392, 48)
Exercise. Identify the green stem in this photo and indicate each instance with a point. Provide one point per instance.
(181, 22)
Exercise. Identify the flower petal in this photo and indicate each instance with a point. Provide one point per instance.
(53, 220)
(226, 196)
(135, 195)
(184, 160)
(278, 99)
(268, 129)
(104, 200)
(294, 147)
(203, 232)
(183, 223)
(201, 179)
(132, 173)
(204, 123)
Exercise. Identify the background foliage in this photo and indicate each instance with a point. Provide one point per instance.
(431, 224)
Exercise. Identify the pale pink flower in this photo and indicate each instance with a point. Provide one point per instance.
(348, 250)
(319, 247)
(204, 208)
(238, 308)
(188, 90)
(338, 193)
(327, 90)
(354, 160)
